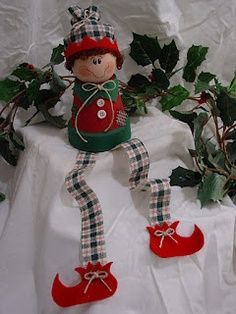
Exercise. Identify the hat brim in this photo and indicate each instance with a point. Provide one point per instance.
(89, 44)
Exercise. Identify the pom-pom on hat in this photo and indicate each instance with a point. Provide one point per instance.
(88, 33)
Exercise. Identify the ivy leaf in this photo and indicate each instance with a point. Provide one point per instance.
(227, 108)
(57, 84)
(33, 90)
(160, 78)
(184, 177)
(195, 56)
(212, 188)
(6, 152)
(57, 56)
(16, 140)
(145, 50)
(186, 117)
(203, 81)
(2, 197)
(138, 81)
(169, 57)
(175, 96)
(9, 89)
(24, 74)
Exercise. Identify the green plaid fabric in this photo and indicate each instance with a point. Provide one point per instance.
(92, 228)
(160, 189)
(86, 23)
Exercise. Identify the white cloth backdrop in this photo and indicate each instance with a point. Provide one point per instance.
(40, 225)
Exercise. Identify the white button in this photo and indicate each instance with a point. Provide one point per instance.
(100, 102)
(101, 114)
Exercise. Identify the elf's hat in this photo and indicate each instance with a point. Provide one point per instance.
(89, 33)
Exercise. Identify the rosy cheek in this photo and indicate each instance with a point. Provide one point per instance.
(110, 67)
(83, 71)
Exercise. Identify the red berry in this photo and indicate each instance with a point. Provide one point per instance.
(203, 98)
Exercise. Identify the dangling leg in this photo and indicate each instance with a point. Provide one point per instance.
(164, 241)
(97, 282)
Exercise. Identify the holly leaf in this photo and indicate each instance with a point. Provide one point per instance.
(160, 78)
(23, 101)
(186, 117)
(47, 98)
(6, 152)
(212, 188)
(231, 135)
(2, 197)
(57, 121)
(199, 123)
(57, 84)
(195, 56)
(227, 108)
(175, 96)
(232, 87)
(169, 57)
(231, 149)
(200, 145)
(203, 81)
(9, 89)
(24, 74)
(57, 56)
(138, 81)
(217, 160)
(184, 177)
(33, 90)
(145, 50)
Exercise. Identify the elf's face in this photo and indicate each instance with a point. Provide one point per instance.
(95, 69)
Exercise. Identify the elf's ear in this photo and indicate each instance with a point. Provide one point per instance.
(119, 61)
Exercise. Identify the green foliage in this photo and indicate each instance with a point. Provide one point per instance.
(9, 89)
(212, 188)
(184, 177)
(203, 81)
(2, 197)
(144, 50)
(25, 87)
(227, 108)
(195, 56)
(174, 97)
(57, 56)
(186, 117)
(215, 156)
(169, 57)
(161, 79)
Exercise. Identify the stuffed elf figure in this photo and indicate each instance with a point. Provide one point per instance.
(99, 123)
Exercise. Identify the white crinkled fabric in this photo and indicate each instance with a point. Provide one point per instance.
(40, 224)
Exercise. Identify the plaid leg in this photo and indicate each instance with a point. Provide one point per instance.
(160, 189)
(92, 229)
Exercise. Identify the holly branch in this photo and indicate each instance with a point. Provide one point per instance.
(212, 104)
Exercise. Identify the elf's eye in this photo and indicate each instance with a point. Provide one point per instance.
(99, 61)
(94, 61)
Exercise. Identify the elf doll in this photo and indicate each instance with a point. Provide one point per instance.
(99, 123)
